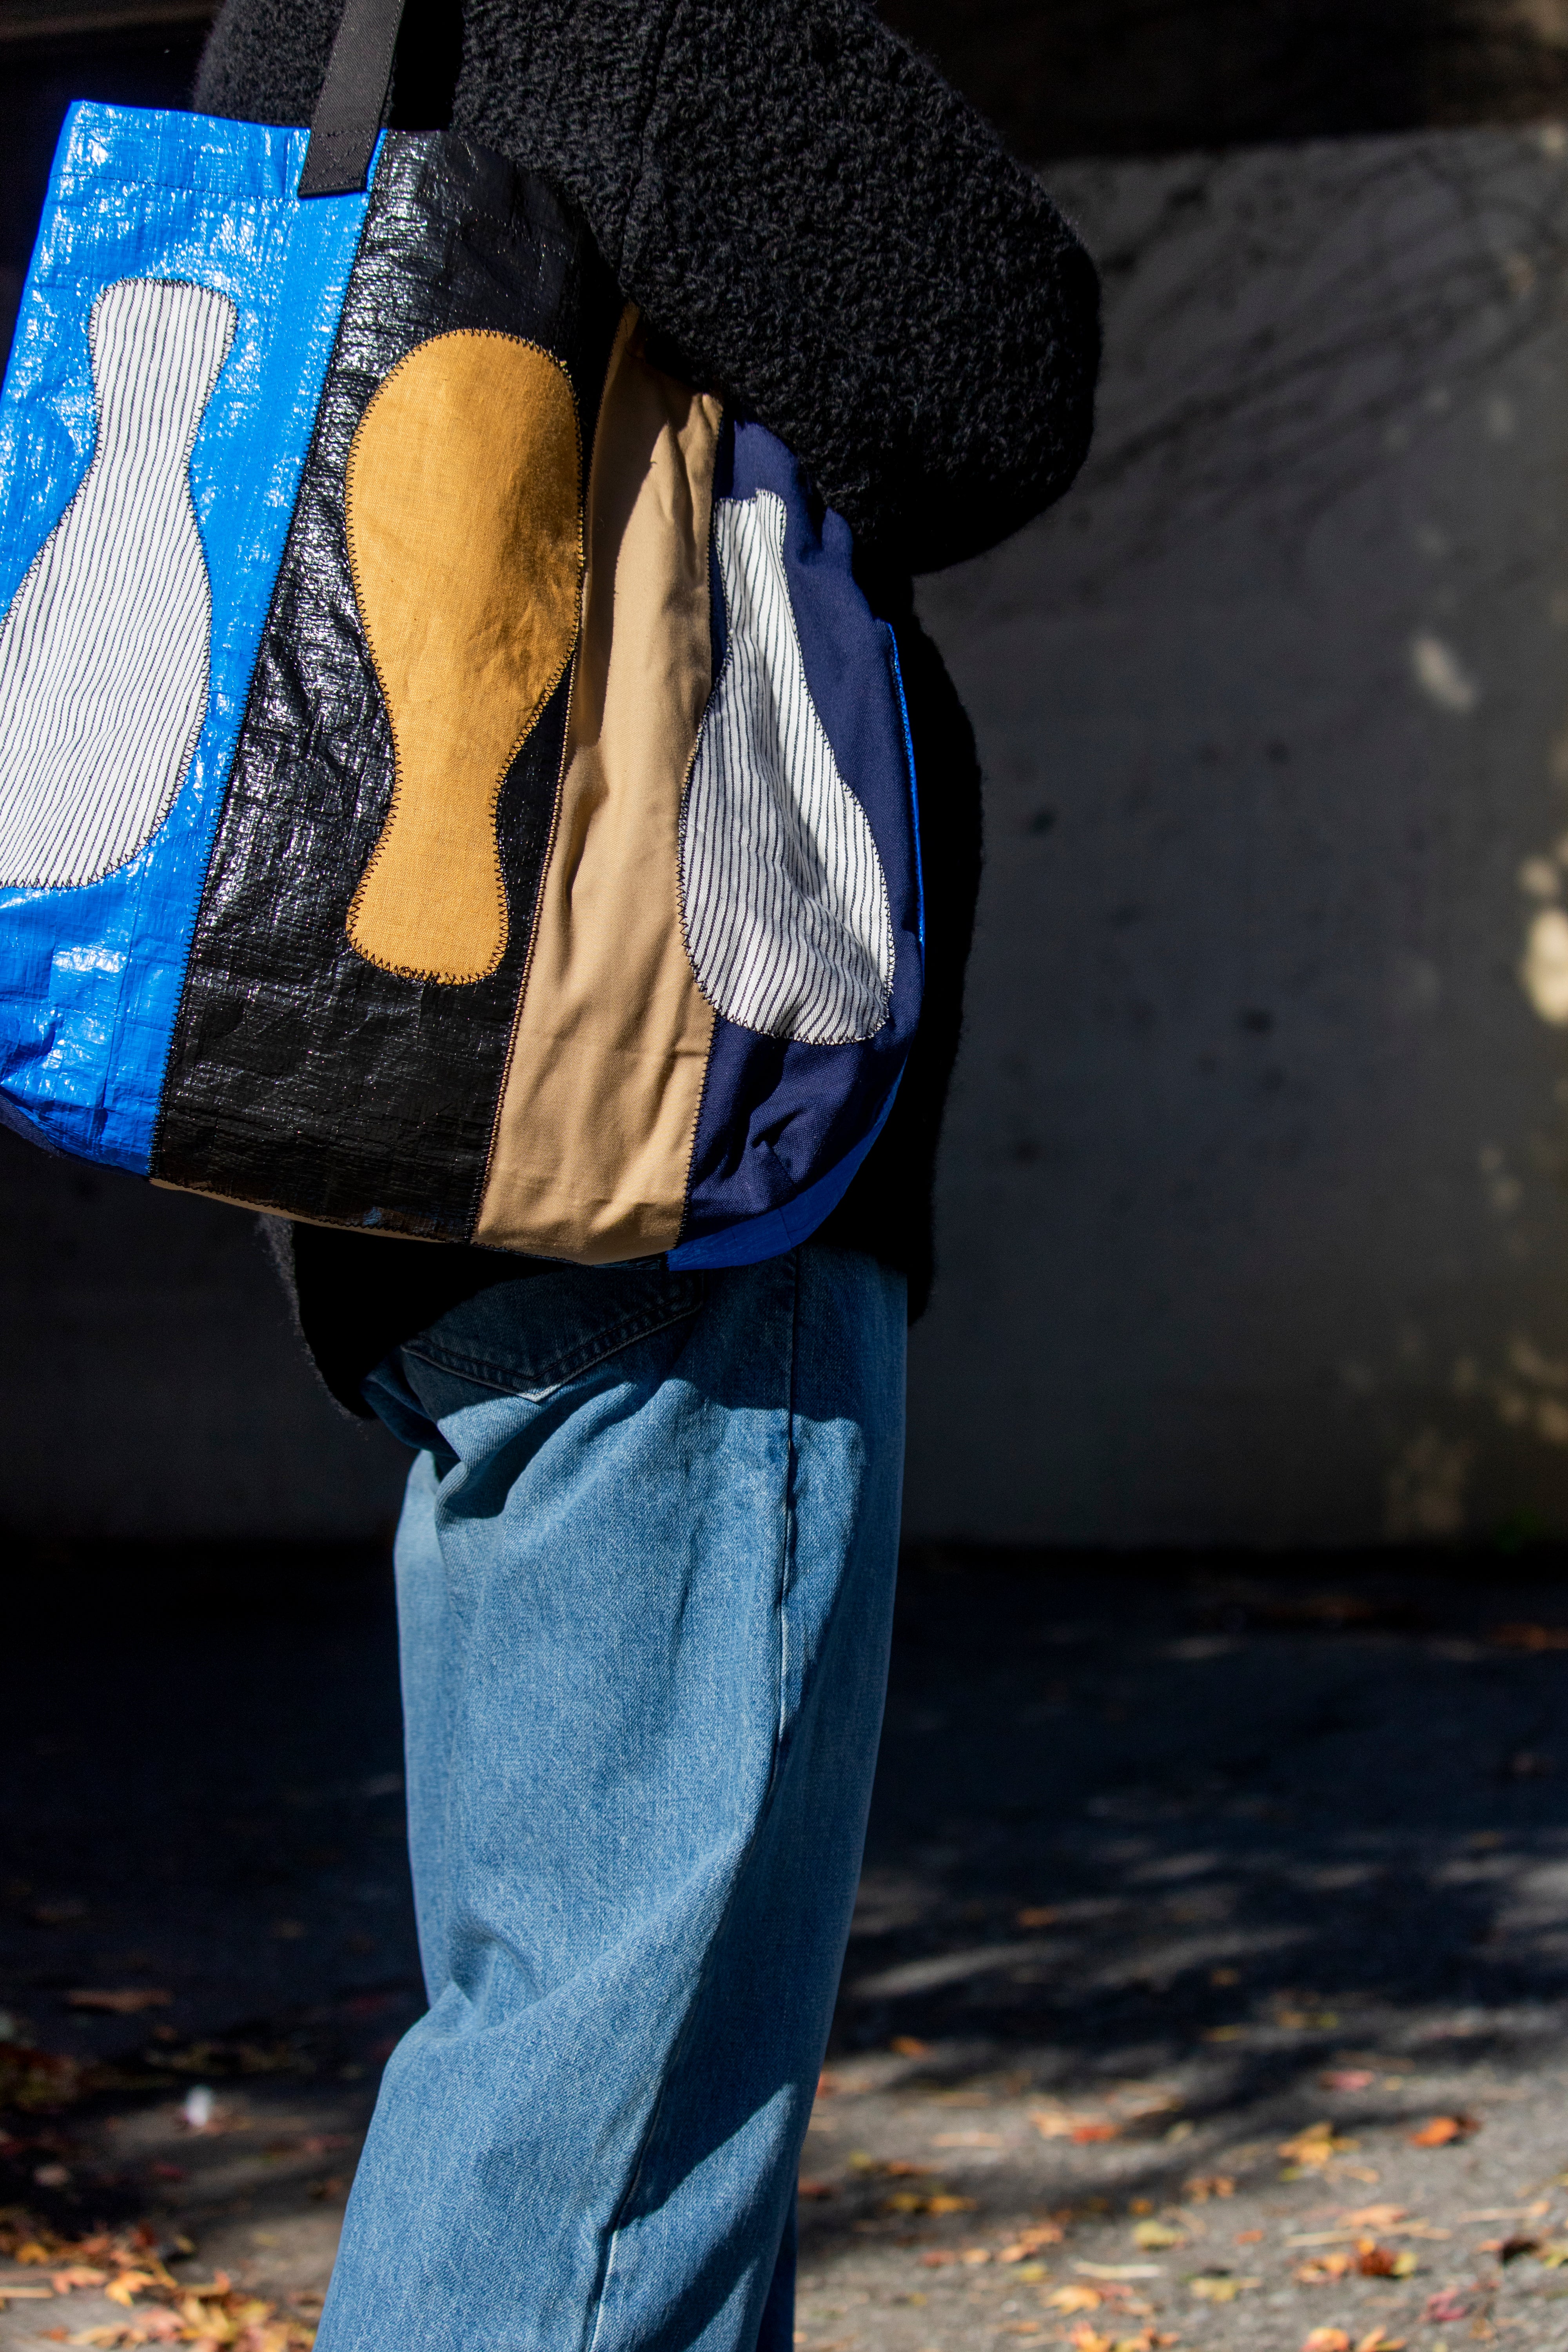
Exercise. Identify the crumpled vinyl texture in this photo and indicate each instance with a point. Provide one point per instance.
(90, 976)
(303, 1077)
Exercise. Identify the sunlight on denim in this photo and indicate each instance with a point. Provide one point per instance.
(645, 1584)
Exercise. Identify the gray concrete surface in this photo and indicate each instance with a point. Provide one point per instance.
(1252, 1214)
(1253, 1222)
(1167, 1873)
(152, 1383)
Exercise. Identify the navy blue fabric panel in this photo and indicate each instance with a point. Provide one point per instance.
(777, 1115)
(778, 1230)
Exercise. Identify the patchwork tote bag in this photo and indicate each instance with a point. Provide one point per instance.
(451, 784)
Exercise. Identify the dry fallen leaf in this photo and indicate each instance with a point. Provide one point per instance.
(909, 2045)
(1204, 2185)
(1321, 2270)
(1061, 2123)
(120, 2000)
(1029, 2241)
(1444, 2130)
(1074, 2298)
(1315, 2146)
(1152, 2235)
(1348, 2078)
(1375, 2340)
(816, 2188)
(1527, 1636)
(1326, 2339)
(1553, 2252)
(1448, 2303)
(1218, 2286)
(1374, 2261)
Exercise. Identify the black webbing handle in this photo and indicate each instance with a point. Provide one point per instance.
(347, 121)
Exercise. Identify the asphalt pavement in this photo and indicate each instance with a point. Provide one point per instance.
(1207, 1986)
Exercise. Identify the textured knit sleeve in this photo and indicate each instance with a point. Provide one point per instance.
(832, 236)
(804, 209)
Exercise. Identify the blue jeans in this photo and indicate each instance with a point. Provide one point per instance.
(645, 1577)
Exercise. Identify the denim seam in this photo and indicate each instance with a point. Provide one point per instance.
(504, 1381)
(683, 2037)
(786, 1541)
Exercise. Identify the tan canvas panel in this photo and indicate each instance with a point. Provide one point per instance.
(598, 1112)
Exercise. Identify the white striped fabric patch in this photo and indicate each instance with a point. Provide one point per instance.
(783, 894)
(103, 652)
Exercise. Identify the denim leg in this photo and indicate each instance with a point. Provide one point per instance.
(645, 1599)
(428, 1664)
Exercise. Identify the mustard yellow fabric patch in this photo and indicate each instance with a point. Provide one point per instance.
(465, 535)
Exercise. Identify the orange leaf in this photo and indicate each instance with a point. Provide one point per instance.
(1443, 2130)
(1326, 2339)
(120, 2000)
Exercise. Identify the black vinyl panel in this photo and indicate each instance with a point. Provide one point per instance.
(303, 1076)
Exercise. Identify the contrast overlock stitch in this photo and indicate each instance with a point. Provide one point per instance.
(408, 971)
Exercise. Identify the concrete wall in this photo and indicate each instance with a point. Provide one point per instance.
(151, 1382)
(1253, 1214)
(1252, 1217)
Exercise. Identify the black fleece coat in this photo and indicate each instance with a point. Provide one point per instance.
(829, 235)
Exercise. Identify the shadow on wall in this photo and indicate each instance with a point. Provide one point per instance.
(152, 1384)
(1128, 78)
(1260, 1144)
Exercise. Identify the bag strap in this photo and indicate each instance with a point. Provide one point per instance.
(347, 121)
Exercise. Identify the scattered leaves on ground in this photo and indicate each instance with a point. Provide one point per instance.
(127, 2267)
